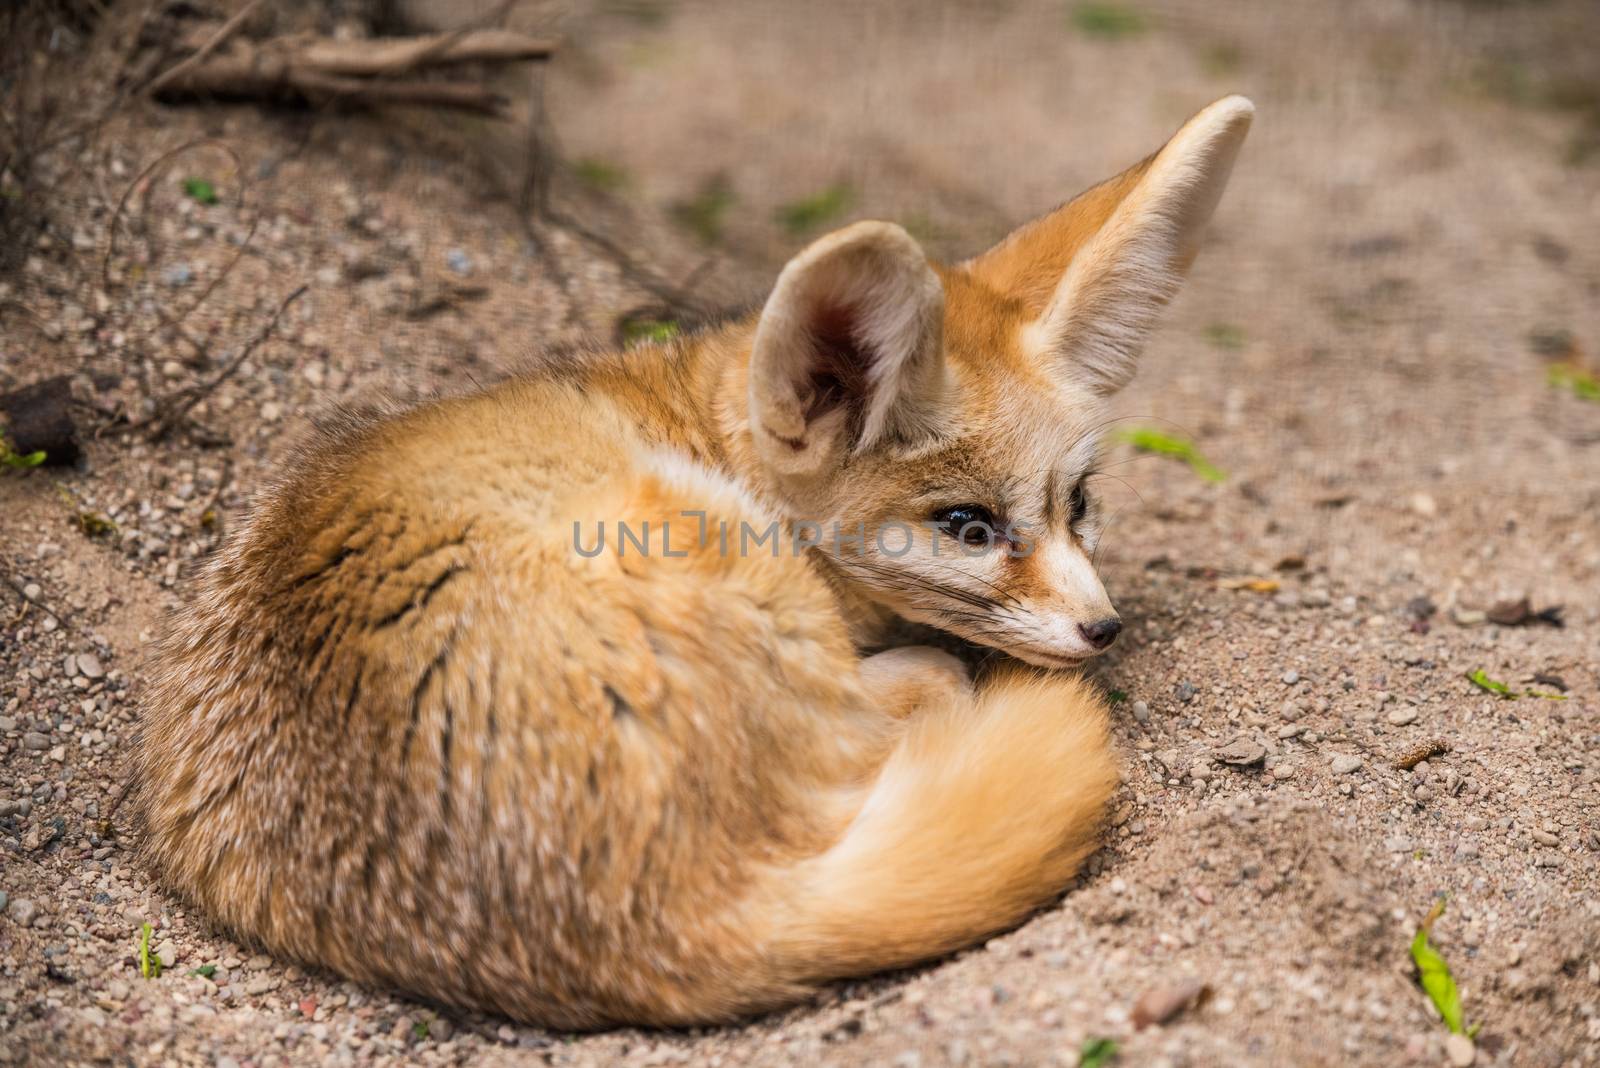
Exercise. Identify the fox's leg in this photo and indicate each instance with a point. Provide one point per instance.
(903, 680)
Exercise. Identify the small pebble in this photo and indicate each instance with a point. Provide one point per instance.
(89, 666)
(1290, 677)
(1344, 764)
(1400, 717)
(1241, 752)
(1460, 1050)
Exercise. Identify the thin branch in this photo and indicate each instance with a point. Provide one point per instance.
(185, 399)
(36, 602)
(377, 58)
(254, 76)
(209, 46)
(352, 71)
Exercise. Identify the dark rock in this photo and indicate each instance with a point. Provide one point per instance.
(38, 418)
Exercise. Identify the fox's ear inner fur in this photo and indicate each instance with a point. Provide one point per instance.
(847, 354)
(1096, 272)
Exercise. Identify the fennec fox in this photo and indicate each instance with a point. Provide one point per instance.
(416, 727)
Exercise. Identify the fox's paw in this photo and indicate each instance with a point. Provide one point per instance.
(902, 681)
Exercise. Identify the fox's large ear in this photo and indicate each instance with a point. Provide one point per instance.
(847, 354)
(1096, 272)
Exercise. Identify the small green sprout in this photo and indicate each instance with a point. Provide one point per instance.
(1147, 440)
(200, 191)
(95, 525)
(205, 971)
(1433, 973)
(808, 213)
(635, 331)
(1482, 681)
(1226, 335)
(1575, 380)
(149, 963)
(20, 461)
(1117, 697)
(1097, 1052)
(1110, 21)
(704, 213)
(1223, 59)
(23, 461)
(600, 174)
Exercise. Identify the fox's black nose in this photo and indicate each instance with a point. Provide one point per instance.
(1102, 632)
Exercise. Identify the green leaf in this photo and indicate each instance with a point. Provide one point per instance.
(149, 965)
(811, 212)
(200, 190)
(419, 1028)
(205, 970)
(600, 174)
(1116, 697)
(95, 525)
(1483, 682)
(636, 330)
(1097, 1052)
(1576, 380)
(1225, 335)
(20, 461)
(1433, 973)
(1147, 440)
(1110, 21)
(704, 213)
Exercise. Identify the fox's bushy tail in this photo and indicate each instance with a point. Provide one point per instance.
(982, 814)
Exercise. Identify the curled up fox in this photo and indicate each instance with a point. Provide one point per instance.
(415, 729)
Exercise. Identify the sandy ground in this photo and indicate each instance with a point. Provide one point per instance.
(1413, 231)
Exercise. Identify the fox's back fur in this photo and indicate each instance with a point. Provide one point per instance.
(406, 732)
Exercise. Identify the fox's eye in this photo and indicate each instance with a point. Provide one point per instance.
(1079, 503)
(972, 524)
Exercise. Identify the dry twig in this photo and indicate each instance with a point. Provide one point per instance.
(352, 72)
(116, 216)
(210, 45)
(178, 404)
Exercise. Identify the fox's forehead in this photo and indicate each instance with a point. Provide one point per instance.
(983, 331)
